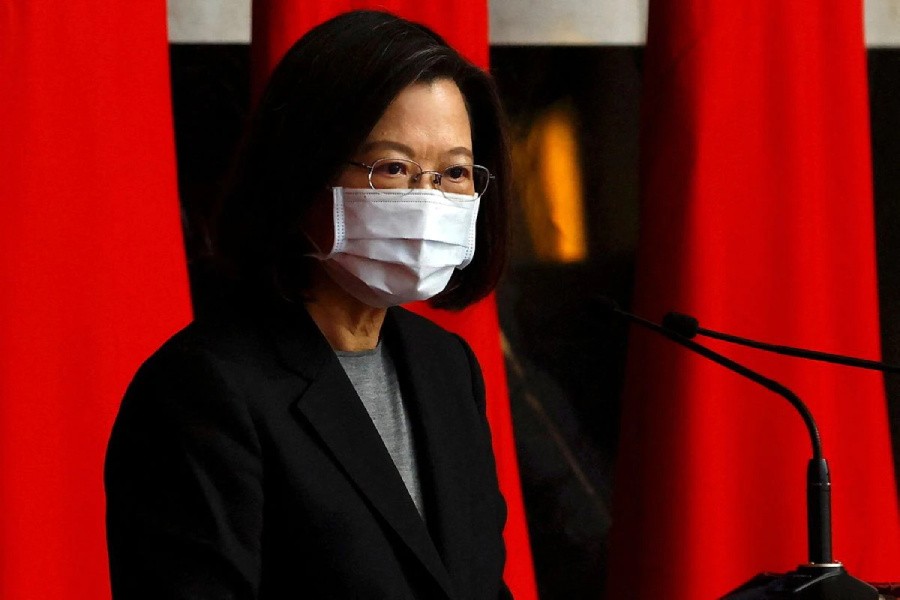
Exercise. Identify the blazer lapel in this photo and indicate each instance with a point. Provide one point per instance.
(330, 404)
(438, 444)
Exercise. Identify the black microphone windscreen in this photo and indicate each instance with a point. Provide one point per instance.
(684, 325)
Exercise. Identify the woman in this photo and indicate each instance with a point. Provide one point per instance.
(311, 439)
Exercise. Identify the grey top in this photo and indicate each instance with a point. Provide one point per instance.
(373, 376)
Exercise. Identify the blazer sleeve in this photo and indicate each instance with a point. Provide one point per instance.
(183, 480)
(478, 392)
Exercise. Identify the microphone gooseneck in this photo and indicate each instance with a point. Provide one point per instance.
(770, 384)
(689, 327)
(818, 482)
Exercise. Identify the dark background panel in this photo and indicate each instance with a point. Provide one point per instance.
(566, 421)
(211, 103)
(884, 98)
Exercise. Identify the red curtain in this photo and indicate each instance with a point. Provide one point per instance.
(463, 23)
(91, 264)
(757, 216)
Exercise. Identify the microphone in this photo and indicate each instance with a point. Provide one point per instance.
(689, 327)
(609, 306)
(822, 577)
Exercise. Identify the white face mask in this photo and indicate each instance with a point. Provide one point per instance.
(398, 246)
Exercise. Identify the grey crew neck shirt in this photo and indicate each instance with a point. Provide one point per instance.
(374, 377)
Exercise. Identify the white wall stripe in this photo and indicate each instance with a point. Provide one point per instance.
(209, 21)
(512, 22)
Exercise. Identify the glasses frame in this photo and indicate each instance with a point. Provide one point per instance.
(437, 175)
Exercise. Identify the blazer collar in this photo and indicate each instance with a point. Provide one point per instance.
(330, 404)
(300, 345)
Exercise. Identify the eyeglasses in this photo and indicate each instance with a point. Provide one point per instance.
(400, 173)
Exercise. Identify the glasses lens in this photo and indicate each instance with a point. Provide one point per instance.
(400, 173)
(465, 179)
(394, 173)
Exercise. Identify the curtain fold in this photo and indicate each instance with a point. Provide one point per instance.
(757, 217)
(91, 264)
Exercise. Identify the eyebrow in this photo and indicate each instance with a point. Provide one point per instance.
(462, 150)
(387, 145)
(404, 149)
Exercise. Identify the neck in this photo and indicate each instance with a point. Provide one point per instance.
(347, 324)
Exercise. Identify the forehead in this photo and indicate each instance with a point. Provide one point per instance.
(429, 118)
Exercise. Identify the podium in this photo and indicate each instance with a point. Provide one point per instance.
(791, 585)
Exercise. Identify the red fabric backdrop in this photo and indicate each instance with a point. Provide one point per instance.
(463, 23)
(91, 264)
(757, 216)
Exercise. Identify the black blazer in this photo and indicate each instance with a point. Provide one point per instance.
(242, 464)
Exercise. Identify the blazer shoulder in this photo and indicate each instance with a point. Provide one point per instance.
(208, 361)
(231, 343)
(418, 324)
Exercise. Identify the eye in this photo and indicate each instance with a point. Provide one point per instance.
(458, 173)
(391, 168)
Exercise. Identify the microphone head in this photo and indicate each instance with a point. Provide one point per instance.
(684, 325)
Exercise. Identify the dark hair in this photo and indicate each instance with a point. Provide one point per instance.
(320, 104)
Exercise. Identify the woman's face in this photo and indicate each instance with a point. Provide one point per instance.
(426, 122)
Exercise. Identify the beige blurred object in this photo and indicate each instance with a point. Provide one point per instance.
(882, 23)
(546, 165)
(209, 21)
(568, 22)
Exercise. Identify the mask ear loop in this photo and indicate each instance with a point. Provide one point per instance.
(289, 294)
(302, 252)
(318, 253)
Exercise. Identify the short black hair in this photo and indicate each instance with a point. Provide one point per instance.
(321, 102)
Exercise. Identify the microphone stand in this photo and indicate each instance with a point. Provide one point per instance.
(822, 578)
